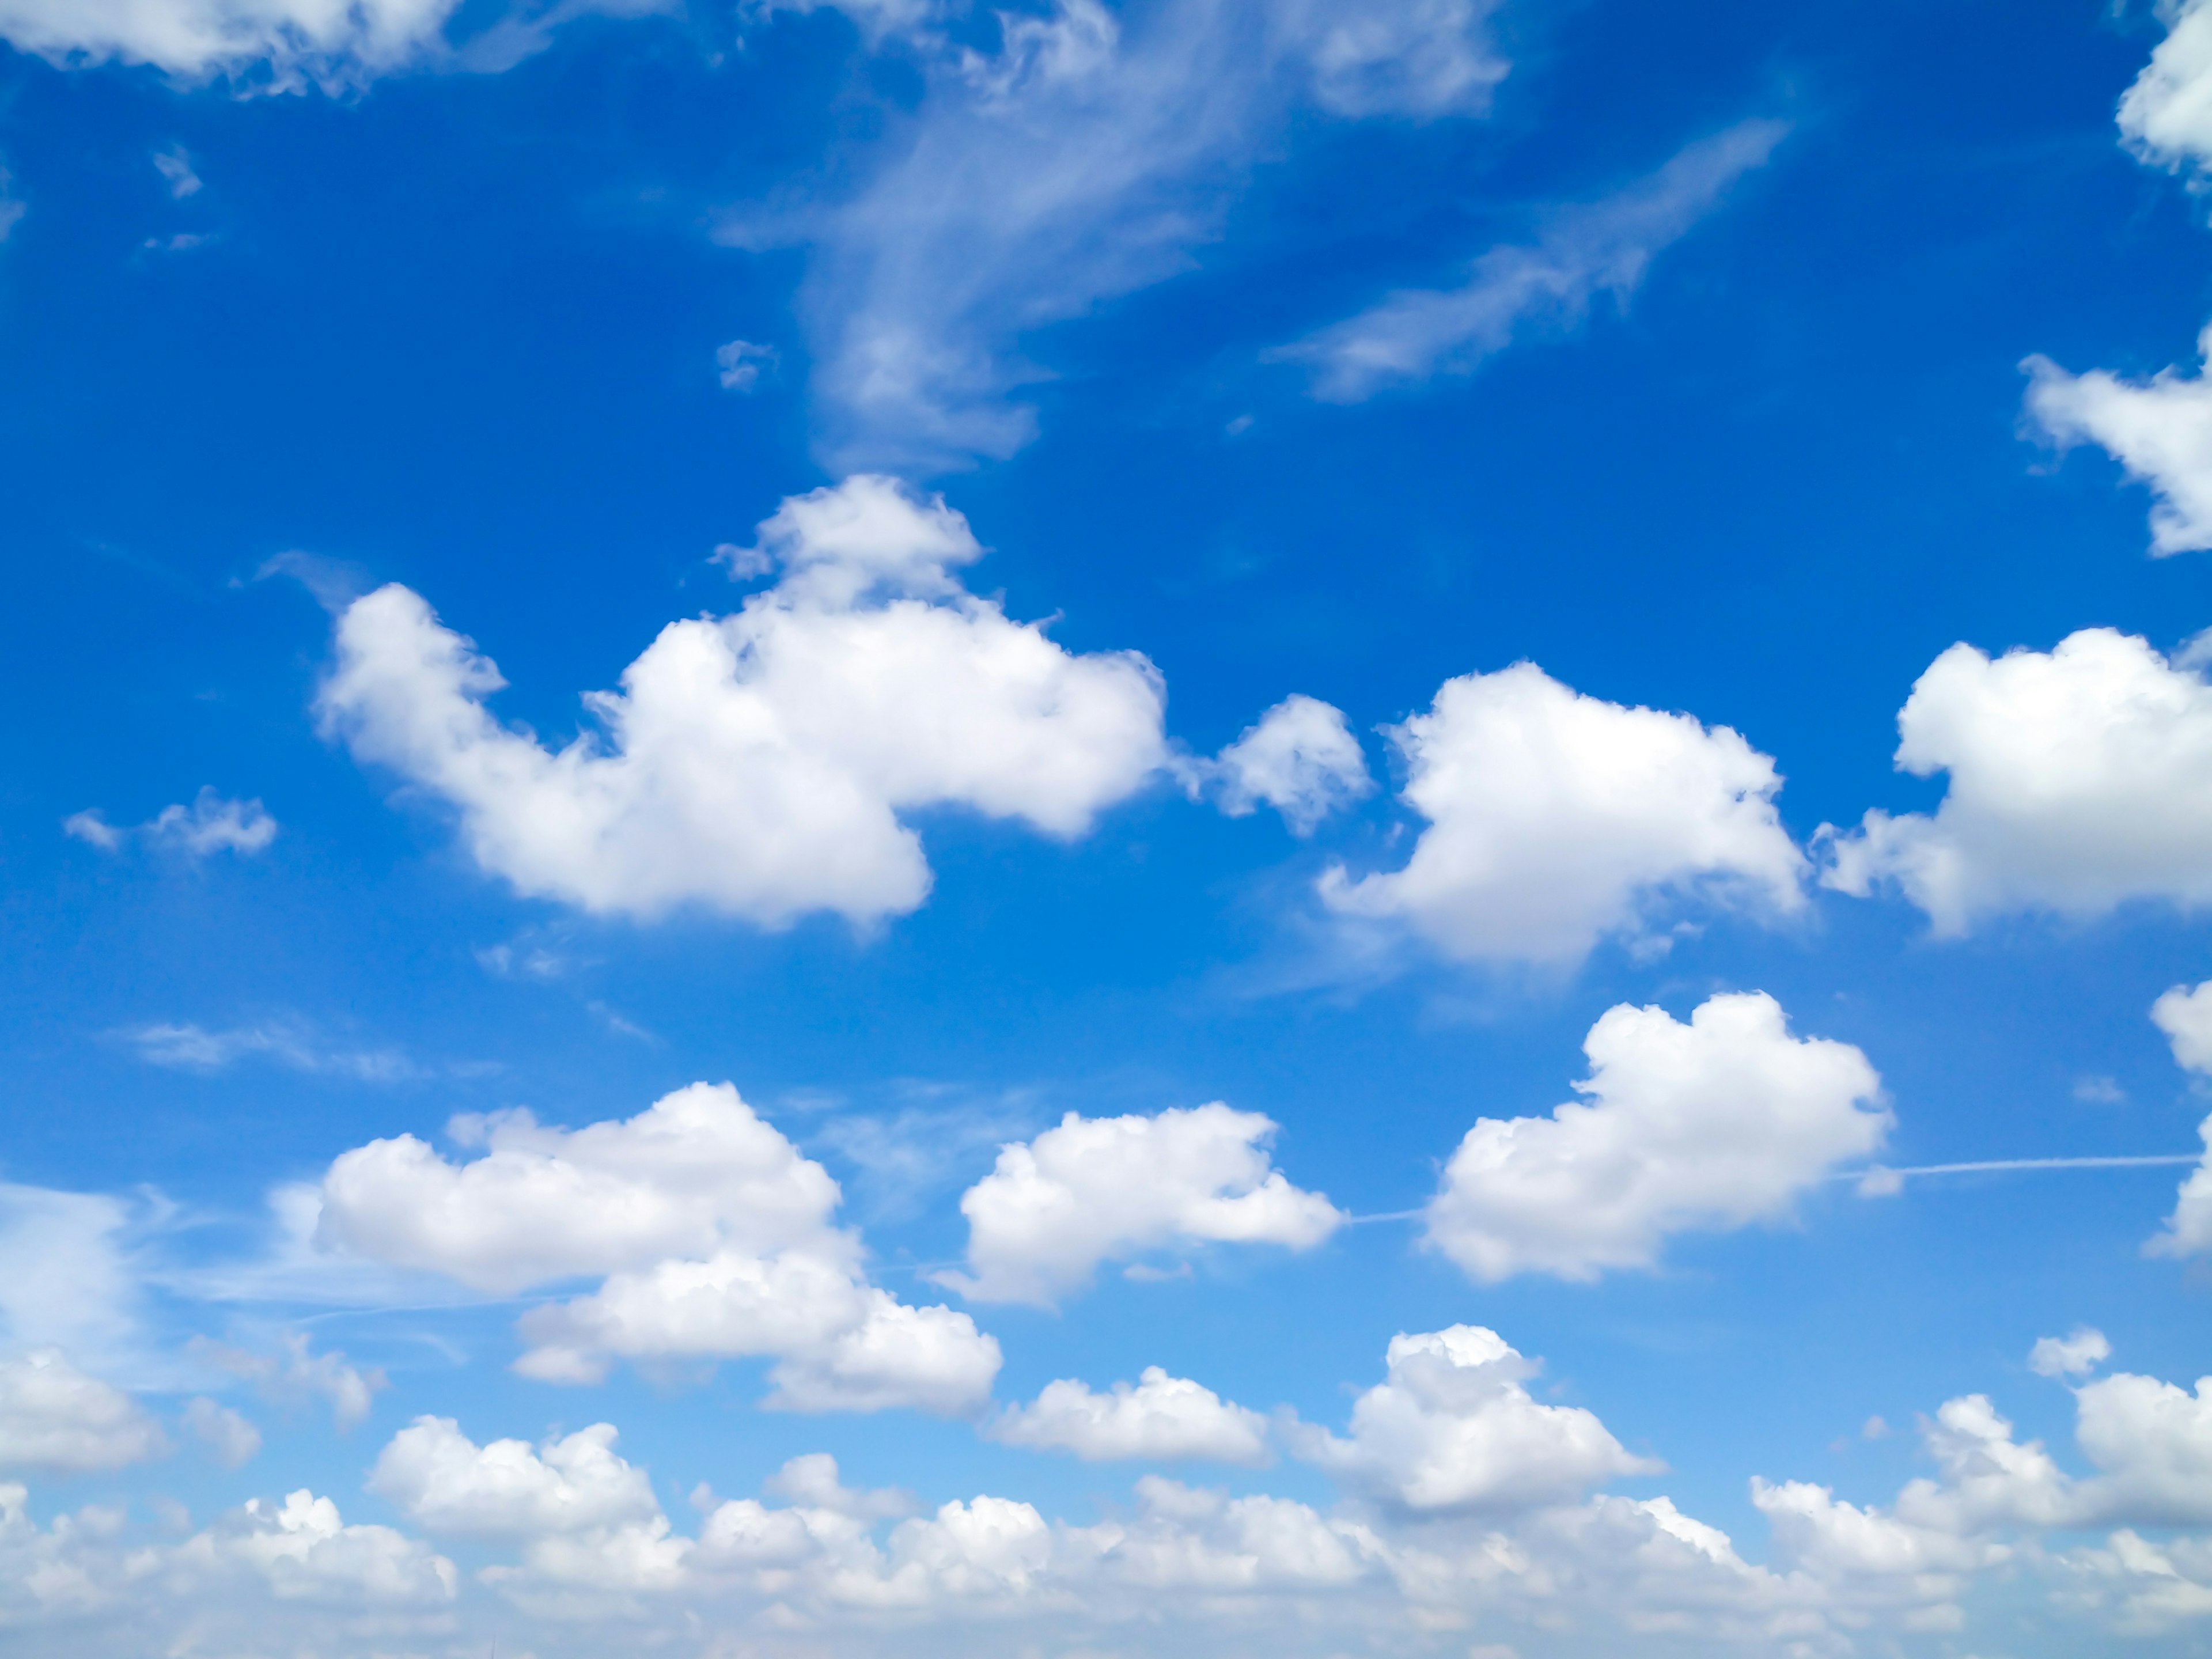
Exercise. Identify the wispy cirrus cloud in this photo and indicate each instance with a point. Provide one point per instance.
(1088, 156)
(1547, 286)
(288, 1041)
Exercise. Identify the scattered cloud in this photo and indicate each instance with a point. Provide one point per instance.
(739, 364)
(1299, 757)
(1556, 819)
(1163, 1418)
(2159, 429)
(212, 823)
(2166, 117)
(2078, 780)
(175, 164)
(711, 1234)
(1601, 248)
(54, 1419)
(1705, 1126)
(298, 1375)
(289, 1042)
(2076, 1354)
(1111, 1188)
(230, 1439)
(291, 43)
(2185, 1015)
(2099, 1091)
(1453, 1429)
(757, 764)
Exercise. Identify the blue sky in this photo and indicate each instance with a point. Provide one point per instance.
(1216, 781)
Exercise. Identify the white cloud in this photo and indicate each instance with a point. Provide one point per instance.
(1098, 1189)
(175, 164)
(739, 364)
(1084, 159)
(2188, 1230)
(67, 1277)
(1706, 1127)
(55, 1420)
(2166, 117)
(1453, 1429)
(446, 1483)
(293, 40)
(12, 206)
(2159, 429)
(1604, 247)
(696, 1170)
(1163, 1417)
(2076, 1354)
(212, 823)
(714, 1237)
(303, 1550)
(2078, 780)
(757, 763)
(1299, 757)
(2185, 1016)
(1555, 820)
(187, 1046)
(231, 1440)
(301, 1375)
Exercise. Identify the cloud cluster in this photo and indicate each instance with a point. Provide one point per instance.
(757, 763)
(2160, 429)
(2077, 780)
(1111, 1188)
(712, 1236)
(1603, 248)
(2166, 117)
(1704, 1126)
(1556, 819)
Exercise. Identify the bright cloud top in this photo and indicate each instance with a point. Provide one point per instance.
(757, 763)
(1706, 1127)
(1082, 161)
(1604, 247)
(1299, 757)
(1453, 1429)
(1556, 818)
(1111, 1188)
(712, 1235)
(2079, 779)
(1162, 1417)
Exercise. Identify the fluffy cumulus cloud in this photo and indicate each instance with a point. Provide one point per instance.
(2077, 780)
(2159, 429)
(55, 1420)
(1703, 1127)
(1603, 248)
(1557, 818)
(1454, 1429)
(1111, 1188)
(2185, 1016)
(2166, 117)
(289, 39)
(1163, 1417)
(757, 763)
(2076, 1354)
(1299, 757)
(712, 1238)
(1084, 158)
(212, 823)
